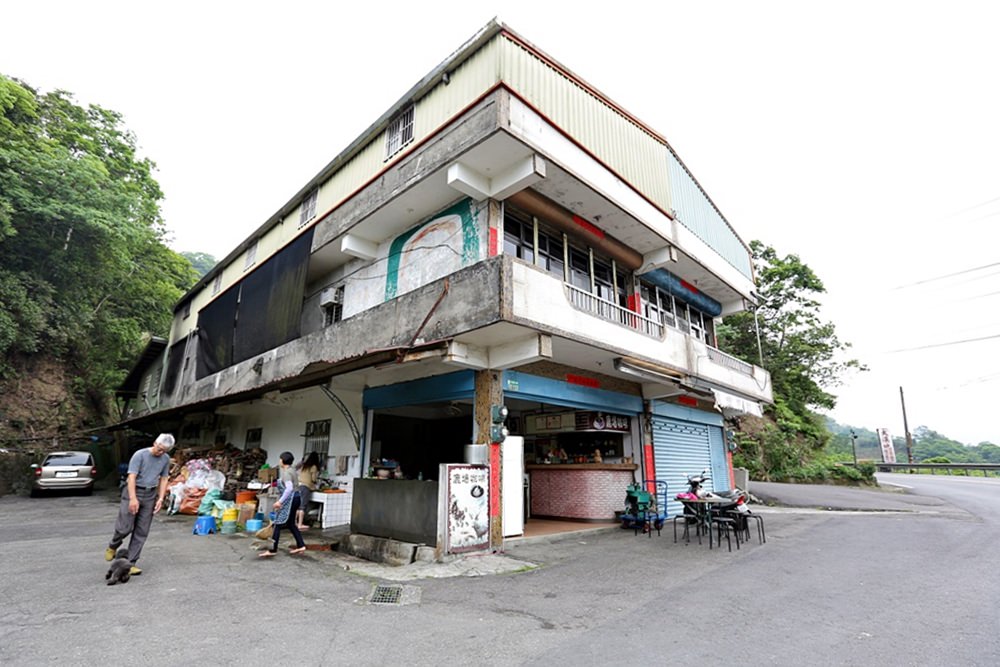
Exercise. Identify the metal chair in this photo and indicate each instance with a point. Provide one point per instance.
(743, 524)
(690, 516)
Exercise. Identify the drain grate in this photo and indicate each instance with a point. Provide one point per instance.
(383, 594)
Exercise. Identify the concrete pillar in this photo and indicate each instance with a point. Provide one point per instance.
(489, 392)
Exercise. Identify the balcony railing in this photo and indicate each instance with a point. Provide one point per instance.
(729, 361)
(613, 312)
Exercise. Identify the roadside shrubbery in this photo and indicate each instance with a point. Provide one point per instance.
(773, 454)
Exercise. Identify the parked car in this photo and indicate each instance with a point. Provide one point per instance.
(64, 471)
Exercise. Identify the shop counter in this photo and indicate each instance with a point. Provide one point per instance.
(589, 491)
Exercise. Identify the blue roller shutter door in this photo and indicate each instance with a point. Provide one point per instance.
(683, 448)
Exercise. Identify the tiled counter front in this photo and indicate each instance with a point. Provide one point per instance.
(579, 491)
(335, 508)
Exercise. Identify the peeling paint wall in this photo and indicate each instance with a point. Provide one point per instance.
(447, 242)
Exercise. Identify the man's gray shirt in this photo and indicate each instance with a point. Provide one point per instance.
(148, 469)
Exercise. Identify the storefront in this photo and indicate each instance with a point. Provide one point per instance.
(580, 444)
(580, 447)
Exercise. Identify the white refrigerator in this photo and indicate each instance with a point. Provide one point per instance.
(512, 485)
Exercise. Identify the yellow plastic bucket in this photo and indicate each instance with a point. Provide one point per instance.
(230, 514)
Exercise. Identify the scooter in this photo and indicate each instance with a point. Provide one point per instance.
(737, 497)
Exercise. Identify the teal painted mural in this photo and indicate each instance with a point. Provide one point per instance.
(454, 228)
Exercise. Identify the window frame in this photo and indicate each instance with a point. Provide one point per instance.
(307, 209)
(399, 133)
(251, 254)
(317, 439)
(250, 442)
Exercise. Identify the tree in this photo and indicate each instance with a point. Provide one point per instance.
(805, 359)
(84, 272)
(202, 262)
(802, 352)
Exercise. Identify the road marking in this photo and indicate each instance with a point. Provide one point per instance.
(902, 486)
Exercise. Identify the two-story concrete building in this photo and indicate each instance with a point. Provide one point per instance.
(504, 234)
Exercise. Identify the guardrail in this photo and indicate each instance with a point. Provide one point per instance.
(963, 467)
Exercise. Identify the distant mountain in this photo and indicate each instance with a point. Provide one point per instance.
(926, 444)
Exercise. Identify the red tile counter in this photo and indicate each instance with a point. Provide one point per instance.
(592, 491)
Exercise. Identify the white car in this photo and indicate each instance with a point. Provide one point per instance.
(64, 471)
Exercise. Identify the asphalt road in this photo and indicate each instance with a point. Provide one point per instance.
(858, 587)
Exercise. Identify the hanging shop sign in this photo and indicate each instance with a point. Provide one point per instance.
(584, 420)
(602, 421)
(465, 499)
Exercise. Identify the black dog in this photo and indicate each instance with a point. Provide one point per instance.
(120, 568)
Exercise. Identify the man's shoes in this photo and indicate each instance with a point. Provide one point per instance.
(134, 571)
(109, 554)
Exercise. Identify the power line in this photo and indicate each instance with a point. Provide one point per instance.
(954, 342)
(948, 275)
(973, 208)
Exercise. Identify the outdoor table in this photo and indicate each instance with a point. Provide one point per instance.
(702, 508)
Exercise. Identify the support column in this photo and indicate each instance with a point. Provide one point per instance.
(489, 391)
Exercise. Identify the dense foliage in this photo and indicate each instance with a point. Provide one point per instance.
(787, 336)
(202, 262)
(84, 271)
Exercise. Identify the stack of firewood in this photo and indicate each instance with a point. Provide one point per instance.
(239, 466)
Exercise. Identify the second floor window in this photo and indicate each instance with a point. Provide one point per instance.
(217, 285)
(659, 305)
(519, 236)
(399, 133)
(551, 254)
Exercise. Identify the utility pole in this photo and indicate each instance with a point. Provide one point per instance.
(906, 429)
(854, 446)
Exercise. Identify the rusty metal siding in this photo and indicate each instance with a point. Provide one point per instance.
(696, 212)
(617, 140)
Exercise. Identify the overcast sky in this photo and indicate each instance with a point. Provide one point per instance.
(862, 136)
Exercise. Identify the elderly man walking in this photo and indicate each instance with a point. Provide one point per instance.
(142, 497)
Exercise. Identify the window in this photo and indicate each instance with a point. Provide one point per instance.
(254, 437)
(604, 282)
(307, 211)
(251, 257)
(317, 440)
(658, 304)
(519, 235)
(400, 133)
(217, 285)
(579, 268)
(550, 253)
(186, 313)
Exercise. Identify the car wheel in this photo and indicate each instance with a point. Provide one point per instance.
(35, 493)
(88, 491)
